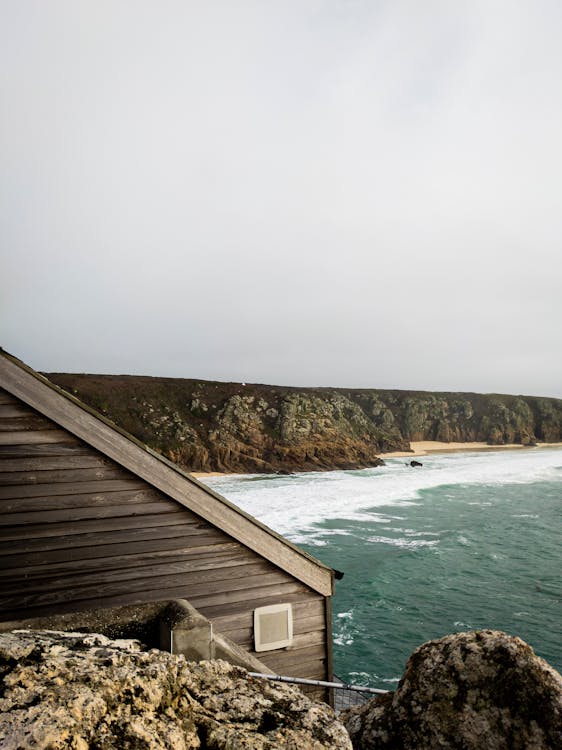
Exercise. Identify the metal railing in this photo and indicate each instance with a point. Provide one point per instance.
(344, 695)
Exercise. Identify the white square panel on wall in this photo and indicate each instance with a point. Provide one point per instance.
(273, 627)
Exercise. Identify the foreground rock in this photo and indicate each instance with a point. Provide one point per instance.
(71, 690)
(469, 691)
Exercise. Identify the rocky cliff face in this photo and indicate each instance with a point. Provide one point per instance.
(86, 692)
(466, 691)
(206, 426)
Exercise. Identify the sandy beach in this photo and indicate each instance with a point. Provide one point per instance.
(424, 447)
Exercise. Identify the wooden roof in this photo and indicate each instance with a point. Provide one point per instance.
(95, 430)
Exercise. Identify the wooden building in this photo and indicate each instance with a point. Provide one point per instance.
(91, 518)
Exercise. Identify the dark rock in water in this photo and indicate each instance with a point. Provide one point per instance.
(483, 690)
(415, 463)
(83, 691)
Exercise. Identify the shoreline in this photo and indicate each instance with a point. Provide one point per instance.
(425, 447)
(421, 448)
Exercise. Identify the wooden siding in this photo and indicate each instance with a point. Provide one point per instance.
(83, 423)
(80, 532)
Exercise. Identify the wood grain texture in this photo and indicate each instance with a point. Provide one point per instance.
(88, 500)
(26, 450)
(10, 464)
(24, 437)
(40, 552)
(48, 568)
(238, 584)
(76, 531)
(72, 515)
(11, 492)
(7, 398)
(46, 477)
(83, 424)
(25, 423)
(15, 409)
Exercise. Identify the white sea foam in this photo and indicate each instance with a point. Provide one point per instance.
(406, 543)
(346, 615)
(344, 628)
(293, 505)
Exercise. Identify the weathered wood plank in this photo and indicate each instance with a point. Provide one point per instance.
(329, 641)
(300, 640)
(307, 640)
(190, 584)
(18, 409)
(307, 624)
(161, 528)
(78, 448)
(212, 553)
(72, 515)
(7, 398)
(40, 552)
(192, 572)
(46, 463)
(58, 502)
(293, 657)
(75, 534)
(12, 492)
(273, 594)
(38, 436)
(65, 476)
(25, 423)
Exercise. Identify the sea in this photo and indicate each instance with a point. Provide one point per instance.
(467, 541)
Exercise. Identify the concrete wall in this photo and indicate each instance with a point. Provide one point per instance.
(184, 630)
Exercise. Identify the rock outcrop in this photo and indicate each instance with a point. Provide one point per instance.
(86, 692)
(468, 691)
(236, 427)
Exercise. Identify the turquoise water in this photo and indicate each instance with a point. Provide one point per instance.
(468, 541)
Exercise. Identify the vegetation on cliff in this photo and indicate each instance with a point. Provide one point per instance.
(213, 426)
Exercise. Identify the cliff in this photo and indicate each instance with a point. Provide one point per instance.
(236, 427)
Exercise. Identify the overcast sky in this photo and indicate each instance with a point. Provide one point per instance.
(321, 192)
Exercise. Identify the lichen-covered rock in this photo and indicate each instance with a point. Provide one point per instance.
(84, 691)
(482, 690)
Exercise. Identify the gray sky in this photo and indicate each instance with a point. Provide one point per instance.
(309, 192)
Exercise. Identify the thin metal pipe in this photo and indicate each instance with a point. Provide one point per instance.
(318, 683)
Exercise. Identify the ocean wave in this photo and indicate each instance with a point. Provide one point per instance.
(299, 502)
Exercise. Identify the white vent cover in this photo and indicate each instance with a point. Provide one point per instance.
(273, 627)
